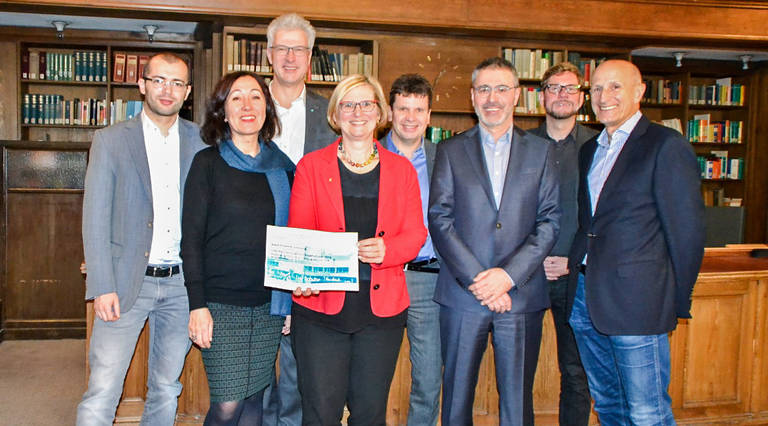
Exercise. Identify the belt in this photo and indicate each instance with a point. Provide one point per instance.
(431, 266)
(583, 269)
(161, 272)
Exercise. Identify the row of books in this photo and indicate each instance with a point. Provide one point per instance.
(586, 65)
(121, 110)
(531, 63)
(436, 134)
(45, 109)
(701, 129)
(251, 55)
(334, 66)
(246, 55)
(78, 65)
(128, 68)
(663, 91)
(529, 101)
(717, 165)
(723, 92)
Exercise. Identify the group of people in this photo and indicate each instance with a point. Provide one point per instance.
(477, 235)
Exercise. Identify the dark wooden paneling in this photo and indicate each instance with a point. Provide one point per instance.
(664, 20)
(44, 290)
(9, 100)
(446, 63)
(756, 183)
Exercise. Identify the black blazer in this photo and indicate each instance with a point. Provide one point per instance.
(645, 240)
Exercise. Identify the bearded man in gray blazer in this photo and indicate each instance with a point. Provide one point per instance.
(131, 236)
(493, 217)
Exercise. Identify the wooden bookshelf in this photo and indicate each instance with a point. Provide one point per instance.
(97, 84)
(251, 43)
(695, 74)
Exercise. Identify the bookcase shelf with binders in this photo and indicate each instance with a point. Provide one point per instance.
(335, 55)
(69, 89)
(532, 61)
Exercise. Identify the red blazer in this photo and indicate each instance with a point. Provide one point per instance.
(316, 203)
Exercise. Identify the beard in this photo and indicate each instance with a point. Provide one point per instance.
(561, 114)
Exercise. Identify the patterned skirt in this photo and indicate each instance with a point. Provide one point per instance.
(242, 356)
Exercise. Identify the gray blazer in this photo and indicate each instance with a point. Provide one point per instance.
(117, 208)
(317, 134)
(472, 235)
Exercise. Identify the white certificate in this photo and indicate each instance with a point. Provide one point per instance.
(310, 259)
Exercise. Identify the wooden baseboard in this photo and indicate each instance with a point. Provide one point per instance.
(44, 329)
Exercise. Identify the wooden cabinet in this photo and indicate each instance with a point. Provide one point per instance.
(42, 191)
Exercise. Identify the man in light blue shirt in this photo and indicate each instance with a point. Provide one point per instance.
(410, 99)
(637, 252)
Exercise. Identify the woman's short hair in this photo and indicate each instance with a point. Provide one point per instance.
(349, 83)
(216, 130)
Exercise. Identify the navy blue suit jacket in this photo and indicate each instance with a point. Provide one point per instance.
(472, 235)
(645, 240)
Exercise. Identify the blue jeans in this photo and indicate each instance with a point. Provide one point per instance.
(164, 302)
(423, 328)
(628, 375)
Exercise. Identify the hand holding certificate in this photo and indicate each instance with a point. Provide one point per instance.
(308, 259)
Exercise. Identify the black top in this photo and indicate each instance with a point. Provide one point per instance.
(566, 160)
(224, 224)
(360, 193)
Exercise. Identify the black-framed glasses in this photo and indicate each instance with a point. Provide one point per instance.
(159, 82)
(555, 89)
(365, 106)
(485, 90)
(281, 50)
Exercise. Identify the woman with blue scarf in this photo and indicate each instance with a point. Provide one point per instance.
(234, 189)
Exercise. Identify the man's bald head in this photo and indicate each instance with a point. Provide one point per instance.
(617, 88)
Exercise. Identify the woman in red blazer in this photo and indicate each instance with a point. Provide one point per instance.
(346, 343)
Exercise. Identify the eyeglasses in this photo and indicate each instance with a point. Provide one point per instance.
(159, 82)
(299, 51)
(485, 91)
(555, 89)
(365, 106)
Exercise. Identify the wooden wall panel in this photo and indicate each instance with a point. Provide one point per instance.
(759, 402)
(9, 100)
(44, 291)
(672, 19)
(446, 64)
(756, 178)
(716, 371)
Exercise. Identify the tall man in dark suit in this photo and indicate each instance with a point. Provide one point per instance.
(410, 100)
(562, 97)
(131, 237)
(493, 217)
(302, 115)
(637, 252)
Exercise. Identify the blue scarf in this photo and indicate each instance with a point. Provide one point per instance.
(273, 163)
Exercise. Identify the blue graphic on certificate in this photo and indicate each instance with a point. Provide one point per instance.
(307, 258)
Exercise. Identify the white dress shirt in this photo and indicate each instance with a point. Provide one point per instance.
(293, 122)
(164, 169)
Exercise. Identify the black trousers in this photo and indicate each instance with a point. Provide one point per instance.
(574, 390)
(335, 368)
